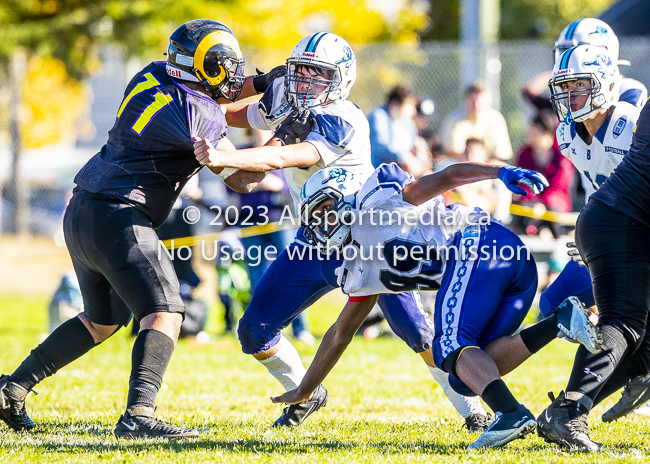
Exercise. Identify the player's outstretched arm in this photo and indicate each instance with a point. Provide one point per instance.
(260, 159)
(429, 186)
(334, 343)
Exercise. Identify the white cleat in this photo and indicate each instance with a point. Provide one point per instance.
(574, 324)
(506, 428)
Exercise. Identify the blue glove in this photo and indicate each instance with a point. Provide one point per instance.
(513, 176)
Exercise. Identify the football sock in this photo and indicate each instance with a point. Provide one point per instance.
(151, 353)
(69, 341)
(465, 405)
(626, 371)
(285, 365)
(591, 371)
(538, 335)
(498, 397)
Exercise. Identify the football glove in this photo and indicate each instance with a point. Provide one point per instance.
(262, 81)
(513, 176)
(296, 126)
(574, 254)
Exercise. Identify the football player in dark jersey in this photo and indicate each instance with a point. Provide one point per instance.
(612, 234)
(122, 194)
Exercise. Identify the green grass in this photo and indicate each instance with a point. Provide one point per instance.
(384, 406)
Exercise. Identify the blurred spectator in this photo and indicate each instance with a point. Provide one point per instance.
(482, 194)
(542, 154)
(537, 92)
(66, 302)
(393, 133)
(477, 120)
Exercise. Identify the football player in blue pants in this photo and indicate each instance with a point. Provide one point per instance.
(320, 74)
(485, 277)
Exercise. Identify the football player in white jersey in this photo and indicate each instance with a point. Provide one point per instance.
(320, 74)
(595, 133)
(396, 235)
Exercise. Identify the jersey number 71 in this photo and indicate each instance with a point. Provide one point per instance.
(159, 102)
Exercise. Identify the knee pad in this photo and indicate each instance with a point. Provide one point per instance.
(252, 337)
(246, 335)
(447, 363)
(460, 387)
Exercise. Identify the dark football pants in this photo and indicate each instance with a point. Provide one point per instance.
(616, 249)
(114, 246)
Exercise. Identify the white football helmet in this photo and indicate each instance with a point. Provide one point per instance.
(588, 31)
(332, 228)
(584, 62)
(335, 65)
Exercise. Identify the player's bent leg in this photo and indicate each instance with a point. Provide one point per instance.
(68, 342)
(574, 280)
(290, 285)
(407, 318)
(512, 419)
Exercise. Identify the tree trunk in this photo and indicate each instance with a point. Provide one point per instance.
(17, 189)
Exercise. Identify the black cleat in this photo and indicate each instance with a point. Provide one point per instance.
(12, 409)
(295, 414)
(564, 422)
(506, 428)
(635, 394)
(141, 423)
(478, 422)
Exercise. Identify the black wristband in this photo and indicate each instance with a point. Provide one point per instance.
(260, 83)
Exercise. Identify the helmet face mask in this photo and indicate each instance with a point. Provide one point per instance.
(322, 69)
(310, 85)
(583, 73)
(328, 222)
(207, 52)
(327, 207)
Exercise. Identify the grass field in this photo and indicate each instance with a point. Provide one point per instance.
(384, 406)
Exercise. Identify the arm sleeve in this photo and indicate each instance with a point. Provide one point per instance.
(331, 136)
(385, 185)
(255, 118)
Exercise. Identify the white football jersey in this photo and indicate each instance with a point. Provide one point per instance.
(394, 243)
(341, 135)
(597, 161)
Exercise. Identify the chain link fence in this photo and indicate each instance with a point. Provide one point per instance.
(432, 69)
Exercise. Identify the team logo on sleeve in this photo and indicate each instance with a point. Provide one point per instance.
(619, 126)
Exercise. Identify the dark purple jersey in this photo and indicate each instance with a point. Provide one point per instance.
(628, 188)
(149, 156)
